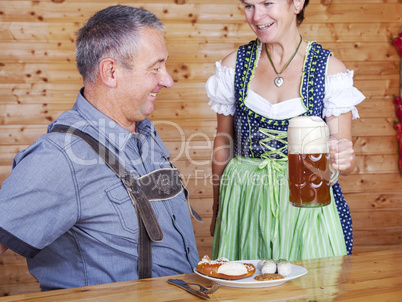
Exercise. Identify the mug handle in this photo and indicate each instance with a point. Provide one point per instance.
(334, 176)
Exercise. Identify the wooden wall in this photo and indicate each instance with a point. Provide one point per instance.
(39, 80)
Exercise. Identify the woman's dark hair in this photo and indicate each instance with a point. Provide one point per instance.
(300, 15)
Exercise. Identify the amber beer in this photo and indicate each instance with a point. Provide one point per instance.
(309, 176)
(309, 163)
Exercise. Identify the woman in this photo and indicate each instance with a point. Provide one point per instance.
(255, 91)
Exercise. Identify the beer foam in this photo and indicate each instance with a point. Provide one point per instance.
(308, 135)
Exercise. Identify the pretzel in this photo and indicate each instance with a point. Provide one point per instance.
(224, 269)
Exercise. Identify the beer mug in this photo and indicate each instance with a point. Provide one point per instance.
(310, 173)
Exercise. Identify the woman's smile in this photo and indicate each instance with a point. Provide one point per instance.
(264, 26)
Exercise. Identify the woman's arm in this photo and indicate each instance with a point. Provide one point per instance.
(223, 147)
(340, 131)
(221, 155)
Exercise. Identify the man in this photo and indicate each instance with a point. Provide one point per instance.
(67, 211)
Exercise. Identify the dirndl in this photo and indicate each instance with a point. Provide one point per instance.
(256, 221)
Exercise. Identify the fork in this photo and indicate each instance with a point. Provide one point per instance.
(202, 288)
(210, 290)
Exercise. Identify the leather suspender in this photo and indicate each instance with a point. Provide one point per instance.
(149, 228)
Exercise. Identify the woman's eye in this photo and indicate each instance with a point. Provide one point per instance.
(247, 6)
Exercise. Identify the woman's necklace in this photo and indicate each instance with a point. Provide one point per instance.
(278, 81)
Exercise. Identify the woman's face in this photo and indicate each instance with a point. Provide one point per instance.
(271, 19)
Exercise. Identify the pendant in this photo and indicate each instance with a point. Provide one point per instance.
(278, 81)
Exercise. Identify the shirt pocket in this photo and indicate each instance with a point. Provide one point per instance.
(124, 208)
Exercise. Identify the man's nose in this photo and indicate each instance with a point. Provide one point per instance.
(166, 80)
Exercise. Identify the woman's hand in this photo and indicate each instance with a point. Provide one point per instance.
(342, 155)
(340, 142)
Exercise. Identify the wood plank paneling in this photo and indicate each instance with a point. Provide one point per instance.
(14, 276)
(38, 74)
(196, 12)
(378, 237)
(375, 145)
(382, 200)
(186, 51)
(371, 183)
(39, 80)
(204, 32)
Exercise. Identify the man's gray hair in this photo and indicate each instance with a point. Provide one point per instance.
(112, 32)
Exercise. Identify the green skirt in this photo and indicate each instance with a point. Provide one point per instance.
(255, 219)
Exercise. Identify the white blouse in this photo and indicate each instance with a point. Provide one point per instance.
(340, 96)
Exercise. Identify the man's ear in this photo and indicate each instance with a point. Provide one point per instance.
(107, 72)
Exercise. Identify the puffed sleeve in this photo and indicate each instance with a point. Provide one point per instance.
(220, 90)
(341, 96)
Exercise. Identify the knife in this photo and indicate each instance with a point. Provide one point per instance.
(181, 284)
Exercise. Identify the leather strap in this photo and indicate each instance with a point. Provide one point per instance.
(149, 228)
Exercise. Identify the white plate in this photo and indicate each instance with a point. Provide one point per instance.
(297, 271)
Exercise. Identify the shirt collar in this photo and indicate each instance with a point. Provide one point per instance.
(108, 129)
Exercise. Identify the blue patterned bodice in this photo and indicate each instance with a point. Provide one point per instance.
(247, 122)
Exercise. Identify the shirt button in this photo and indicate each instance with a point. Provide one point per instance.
(255, 141)
(256, 128)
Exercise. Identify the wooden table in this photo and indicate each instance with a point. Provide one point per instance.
(374, 276)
